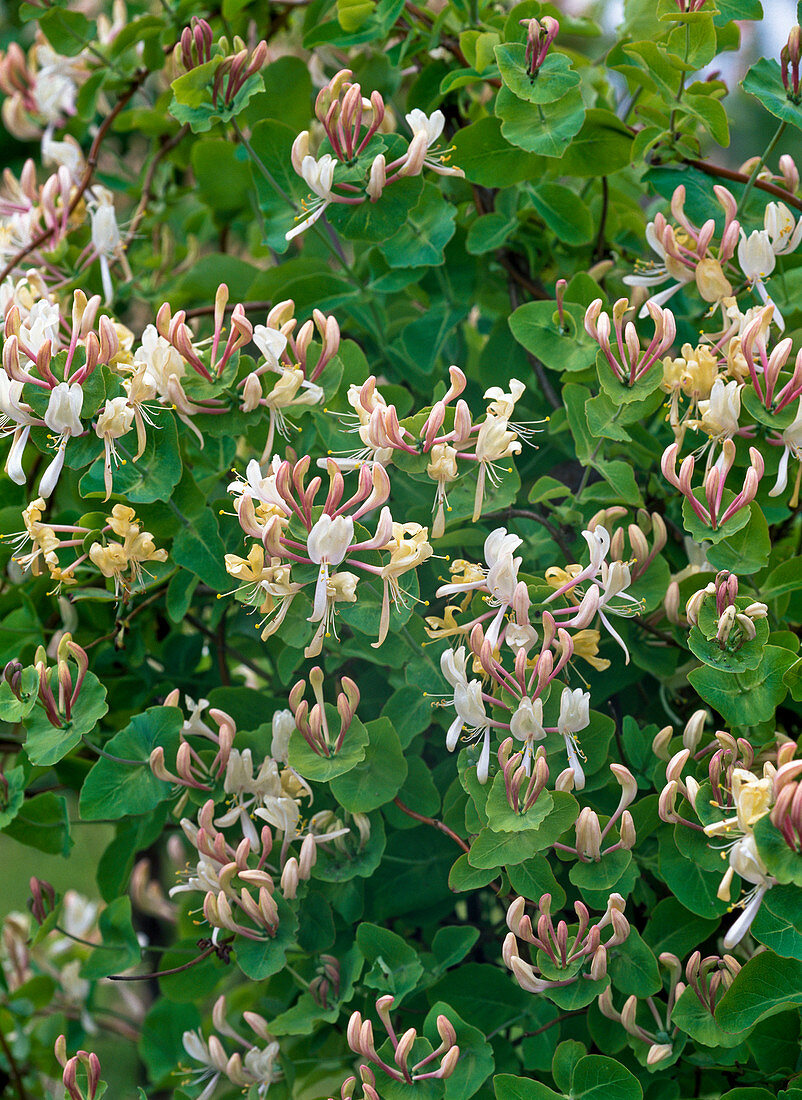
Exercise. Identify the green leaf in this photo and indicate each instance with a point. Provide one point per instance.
(766, 985)
(451, 944)
(495, 849)
(508, 1087)
(782, 862)
(378, 777)
(749, 697)
(764, 81)
(42, 823)
(113, 789)
(46, 744)
(537, 129)
(564, 213)
(120, 944)
(747, 656)
(199, 548)
(536, 325)
(13, 796)
(488, 159)
(223, 181)
(151, 477)
(429, 226)
(602, 146)
(633, 967)
(394, 965)
(692, 1017)
(743, 551)
(325, 768)
(599, 1078)
(488, 233)
(552, 81)
(602, 875)
(163, 1028)
(778, 923)
(12, 709)
(475, 1063)
(68, 32)
(502, 818)
(533, 878)
(259, 959)
(463, 877)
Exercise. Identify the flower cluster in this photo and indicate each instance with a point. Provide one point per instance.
(354, 129)
(562, 953)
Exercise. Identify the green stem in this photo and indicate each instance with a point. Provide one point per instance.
(750, 183)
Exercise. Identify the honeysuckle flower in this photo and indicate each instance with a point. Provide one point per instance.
(443, 469)
(494, 442)
(574, 717)
(319, 178)
(327, 544)
(426, 130)
(115, 420)
(784, 231)
(720, 413)
(409, 548)
(62, 416)
(107, 243)
(526, 725)
(271, 343)
(757, 259)
(791, 440)
(282, 725)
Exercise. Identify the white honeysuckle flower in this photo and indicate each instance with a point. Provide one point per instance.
(574, 716)
(757, 259)
(40, 325)
(453, 666)
(66, 153)
(327, 544)
(431, 125)
(378, 177)
(791, 439)
(719, 414)
(106, 239)
(784, 231)
(160, 359)
(282, 725)
(655, 274)
(261, 1066)
(526, 724)
(746, 862)
(198, 1050)
(319, 178)
(62, 416)
(54, 94)
(426, 130)
(271, 343)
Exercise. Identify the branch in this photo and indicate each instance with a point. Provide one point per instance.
(741, 177)
(89, 171)
(16, 1076)
(433, 822)
(147, 188)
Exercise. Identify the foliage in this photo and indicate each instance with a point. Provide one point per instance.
(419, 614)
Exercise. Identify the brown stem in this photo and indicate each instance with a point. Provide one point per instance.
(213, 949)
(433, 822)
(16, 1076)
(89, 171)
(551, 1023)
(243, 660)
(147, 188)
(524, 513)
(740, 177)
